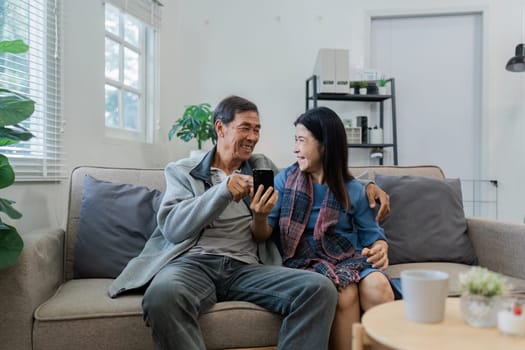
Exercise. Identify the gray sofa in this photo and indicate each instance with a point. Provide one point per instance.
(44, 307)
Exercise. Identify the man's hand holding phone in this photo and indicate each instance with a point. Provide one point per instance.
(239, 186)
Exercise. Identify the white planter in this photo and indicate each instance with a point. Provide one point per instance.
(375, 136)
(362, 91)
(382, 90)
(479, 311)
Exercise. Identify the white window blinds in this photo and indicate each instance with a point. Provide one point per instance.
(148, 11)
(35, 74)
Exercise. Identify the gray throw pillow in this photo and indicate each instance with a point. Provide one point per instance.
(116, 220)
(426, 221)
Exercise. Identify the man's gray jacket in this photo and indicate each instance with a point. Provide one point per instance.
(189, 205)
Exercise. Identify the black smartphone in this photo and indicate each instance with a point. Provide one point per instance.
(262, 177)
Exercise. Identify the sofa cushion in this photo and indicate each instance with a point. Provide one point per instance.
(82, 309)
(116, 220)
(427, 222)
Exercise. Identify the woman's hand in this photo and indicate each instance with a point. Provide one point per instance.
(261, 204)
(377, 254)
(263, 200)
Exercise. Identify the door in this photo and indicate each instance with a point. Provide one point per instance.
(436, 63)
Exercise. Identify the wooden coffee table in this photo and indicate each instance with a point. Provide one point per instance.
(386, 324)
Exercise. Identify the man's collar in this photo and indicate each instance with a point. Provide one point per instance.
(202, 170)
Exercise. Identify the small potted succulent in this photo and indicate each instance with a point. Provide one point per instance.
(363, 85)
(382, 86)
(354, 87)
(481, 292)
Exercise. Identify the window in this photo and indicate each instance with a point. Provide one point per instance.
(131, 68)
(35, 74)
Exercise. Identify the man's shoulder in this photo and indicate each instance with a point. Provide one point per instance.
(184, 164)
(259, 160)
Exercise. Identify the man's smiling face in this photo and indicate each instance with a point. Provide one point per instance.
(241, 135)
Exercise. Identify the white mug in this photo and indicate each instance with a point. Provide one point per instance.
(424, 293)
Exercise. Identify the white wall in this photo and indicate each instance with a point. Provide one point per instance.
(264, 50)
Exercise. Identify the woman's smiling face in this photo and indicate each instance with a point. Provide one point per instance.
(308, 151)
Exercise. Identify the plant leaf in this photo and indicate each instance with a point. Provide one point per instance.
(196, 123)
(11, 245)
(6, 207)
(13, 46)
(7, 175)
(14, 107)
(14, 134)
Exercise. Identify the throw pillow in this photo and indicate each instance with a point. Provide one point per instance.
(426, 221)
(116, 220)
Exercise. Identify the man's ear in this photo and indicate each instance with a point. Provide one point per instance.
(219, 126)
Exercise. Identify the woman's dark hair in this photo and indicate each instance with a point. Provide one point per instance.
(328, 129)
(230, 106)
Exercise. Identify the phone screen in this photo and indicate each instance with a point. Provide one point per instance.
(262, 177)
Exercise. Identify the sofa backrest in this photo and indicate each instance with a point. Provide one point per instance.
(367, 172)
(154, 179)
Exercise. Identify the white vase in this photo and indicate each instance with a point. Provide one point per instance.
(382, 90)
(478, 310)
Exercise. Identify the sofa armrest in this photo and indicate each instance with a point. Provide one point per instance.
(499, 245)
(29, 282)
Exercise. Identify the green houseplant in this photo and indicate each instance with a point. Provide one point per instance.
(363, 87)
(196, 123)
(382, 85)
(481, 281)
(354, 87)
(382, 82)
(14, 108)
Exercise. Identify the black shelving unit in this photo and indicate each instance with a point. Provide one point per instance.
(313, 97)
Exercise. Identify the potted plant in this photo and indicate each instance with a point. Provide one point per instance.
(196, 123)
(481, 292)
(354, 87)
(363, 85)
(14, 108)
(382, 86)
